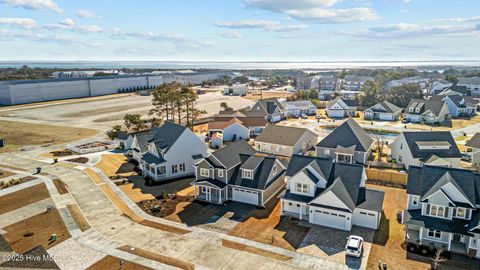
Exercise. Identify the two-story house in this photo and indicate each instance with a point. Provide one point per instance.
(347, 143)
(271, 109)
(299, 107)
(238, 173)
(442, 209)
(340, 107)
(426, 111)
(331, 194)
(416, 148)
(458, 105)
(165, 152)
(234, 128)
(285, 141)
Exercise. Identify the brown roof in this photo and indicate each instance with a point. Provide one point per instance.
(244, 121)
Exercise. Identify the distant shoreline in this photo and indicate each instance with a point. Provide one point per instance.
(439, 64)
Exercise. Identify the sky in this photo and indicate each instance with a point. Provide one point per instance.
(239, 30)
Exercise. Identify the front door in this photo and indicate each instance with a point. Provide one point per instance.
(457, 237)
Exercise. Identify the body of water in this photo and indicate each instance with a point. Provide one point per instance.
(434, 65)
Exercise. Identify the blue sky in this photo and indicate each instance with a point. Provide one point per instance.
(239, 30)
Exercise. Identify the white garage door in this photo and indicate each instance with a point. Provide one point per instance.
(366, 219)
(330, 219)
(245, 196)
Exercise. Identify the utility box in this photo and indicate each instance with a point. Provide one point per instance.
(2, 142)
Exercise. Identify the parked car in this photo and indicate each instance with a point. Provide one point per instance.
(405, 120)
(304, 116)
(354, 246)
(466, 157)
(318, 117)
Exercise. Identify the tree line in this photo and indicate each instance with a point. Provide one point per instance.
(398, 95)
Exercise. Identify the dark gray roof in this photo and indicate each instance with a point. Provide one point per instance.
(424, 180)
(4, 246)
(414, 217)
(152, 159)
(123, 136)
(371, 199)
(388, 107)
(298, 163)
(346, 135)
(339, 189)
(295, 197)
(282, 135)
(214, 182)
(264, 107)
(349, 102)
(261, 175)
(461, 89)
(163, 136)
(412, 137)
(434, 106)
(474, 141)
(252, 162)
(458, 101)
(229, 156)
(37, 252)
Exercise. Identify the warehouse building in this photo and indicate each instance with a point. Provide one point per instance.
(29, 91)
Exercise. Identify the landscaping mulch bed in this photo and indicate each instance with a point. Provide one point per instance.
(23, 198)
(159, 258)
(110, 262)
(78, 217)
(31, 232)
(16, 181)
(81, 160)
(61, 186)
(162, 208)
(61, 153)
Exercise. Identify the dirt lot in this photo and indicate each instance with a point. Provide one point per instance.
(18, 135)
(5, 174)
(135, 194)
(268, 94)
(78, 217)
(61, 186)
(387, 241)
(23, 198)
(34, 231)
(159, 258)
(266, 226)
(115, 164)
(110, 262)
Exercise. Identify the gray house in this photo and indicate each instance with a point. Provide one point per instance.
(384, 111)
(238, 173)
(285, 141)
(271, 109)
(426, 111)
(442, 209)
(330, 194)
(458, 106)
(347, 143)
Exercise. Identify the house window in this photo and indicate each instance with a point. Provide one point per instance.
(248, 174)
(289, 204)
(400, 159)
(204, 172)
(434, 233)
(181, 167)
(437, 210)
(274, 170)
(327, 151)
(415, 200)
(461, 212)
(161, 170)
(220, 173)
(174, 168)
(302, 188)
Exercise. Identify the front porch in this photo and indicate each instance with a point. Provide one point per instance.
(455, 246)
(209, 194)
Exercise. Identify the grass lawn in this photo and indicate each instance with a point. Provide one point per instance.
(36, 230)
(18, 135)
(115, 164)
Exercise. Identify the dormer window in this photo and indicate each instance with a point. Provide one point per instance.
(461, 212)
(302, 188)
(274, 170)
(438, 211)
(220, 173)
(410, 110)
(248, 174)
(204, 172)
(415, 200)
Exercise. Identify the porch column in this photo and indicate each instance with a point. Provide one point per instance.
(194, 191)
(156, 172)
(420, 236)
(300, 211)
(281, 207)
(449, 240)
(220, 196)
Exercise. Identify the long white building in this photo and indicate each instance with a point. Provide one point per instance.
(29, 91)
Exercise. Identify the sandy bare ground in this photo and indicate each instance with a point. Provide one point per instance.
(102, 114)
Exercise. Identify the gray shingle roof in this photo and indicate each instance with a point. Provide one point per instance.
(123, 136)
(371, 199)
(282, 135)
(261, 176)
(389, 107)
(229, 156)
(163, 136)
(346, 135)
(474, 141)
(349, 102)
(414, 139)
(152, 159)
(434, 106)
(458, 101)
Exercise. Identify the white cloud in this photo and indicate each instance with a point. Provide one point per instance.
(35, 5)
(261, 24)
(86, 14)
(22, 22)
(68, 22)
(458, 20)
(231, 34)
(319, 11)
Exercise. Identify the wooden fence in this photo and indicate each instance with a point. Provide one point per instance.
(387, 177)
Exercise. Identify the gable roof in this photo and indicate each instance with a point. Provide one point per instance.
(123, 136)
(458, 101)
(163, 136)
(474, 142)
(415, 138)
(434, 106)
(321, 165)
(224, 124)
(304, 104)
(388, 107)
(426, 180)
(229, 156)
(265, 107)
(244, 121)
(282, 135)
(261, 178)
(339, 189)
(346, 135)
(348, 102)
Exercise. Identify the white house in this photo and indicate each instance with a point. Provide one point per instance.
(236, 90)
(473, 148)
(415, 148)
(167, 151)
(124, 140)
(236, 126)
(347, 143)
(426, 111)
(422, 82)
(299, 107)
(438, 86)
(472, 84)
(442, 210)
(339, 108)
(238, 173)
(285, 141)
(458, 106)
(384, 111)
(330, 194)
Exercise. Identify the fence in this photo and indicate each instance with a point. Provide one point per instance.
(86, 147)
(387, 177)
(386, 165)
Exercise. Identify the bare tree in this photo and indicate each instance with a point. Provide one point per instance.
(438, 258)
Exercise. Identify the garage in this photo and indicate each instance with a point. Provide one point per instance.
(245, 196)
(330, 219)
(365, 219)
